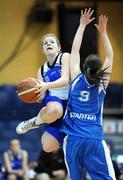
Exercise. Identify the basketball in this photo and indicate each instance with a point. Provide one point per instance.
(26, 90)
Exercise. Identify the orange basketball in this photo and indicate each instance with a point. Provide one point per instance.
(26, 90)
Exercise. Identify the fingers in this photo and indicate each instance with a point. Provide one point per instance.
(103, 19)
(92, 19)
(37, 89)
(91, 13)
(85, 11)
(86, 16)
(82, 13)
(88, 12)
(39, 97)
(97, 26)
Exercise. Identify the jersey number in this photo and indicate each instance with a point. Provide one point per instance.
(84, 96)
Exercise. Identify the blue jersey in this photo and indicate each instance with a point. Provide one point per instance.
(52, 73)
(83, 116)
(15, 162)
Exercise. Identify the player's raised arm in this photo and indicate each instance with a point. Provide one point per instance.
(75, 56)
(102, 28)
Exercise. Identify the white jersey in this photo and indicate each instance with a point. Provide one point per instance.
(52, 73)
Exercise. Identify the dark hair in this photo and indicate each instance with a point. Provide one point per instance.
(92, 68)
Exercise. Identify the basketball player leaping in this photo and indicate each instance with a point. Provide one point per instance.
(84, 145)
(54, 75)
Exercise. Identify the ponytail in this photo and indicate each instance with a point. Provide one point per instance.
(97, 78)
(92, 68)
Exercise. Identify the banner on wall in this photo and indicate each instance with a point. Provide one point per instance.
(120, 127)
(113, 126)
(110, 127)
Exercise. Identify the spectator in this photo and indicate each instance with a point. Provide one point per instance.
(51, 166)
(1, 172)
(15, 162)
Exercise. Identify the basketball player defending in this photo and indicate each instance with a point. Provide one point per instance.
(84, 145)
(54, 77)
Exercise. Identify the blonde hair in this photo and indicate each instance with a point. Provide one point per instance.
(51, 35)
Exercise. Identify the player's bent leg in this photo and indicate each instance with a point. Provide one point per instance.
(48, 114)
(49, 142)
(11, 177)
(42, 176)
(25, 177)
(98, 163)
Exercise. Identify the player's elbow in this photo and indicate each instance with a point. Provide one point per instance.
(110, 58)
(66, 80)
(110, 55)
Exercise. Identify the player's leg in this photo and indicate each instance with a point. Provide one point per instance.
(52, 138)
(52, 111)
(42, 176)
(11, 177)
(73, 158)
(98, 161)
(49, 142)
(25, 177)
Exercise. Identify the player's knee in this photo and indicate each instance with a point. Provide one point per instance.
(11, 177)
(55, 112)
(51, 114)
(43, 176)
(49, 148)
(25, 177)
(46, 149)
(55, 108)
(49, 142)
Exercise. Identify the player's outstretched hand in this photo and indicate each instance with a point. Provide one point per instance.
(86, 16)
(102, 25)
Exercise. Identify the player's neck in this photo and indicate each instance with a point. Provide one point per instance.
(15, 154)
(51, 58)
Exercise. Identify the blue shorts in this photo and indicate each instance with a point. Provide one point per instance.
(88, 155)
(54, 128)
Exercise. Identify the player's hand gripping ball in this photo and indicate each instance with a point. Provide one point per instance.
(26, 90)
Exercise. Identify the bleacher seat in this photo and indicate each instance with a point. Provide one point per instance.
(113, 96)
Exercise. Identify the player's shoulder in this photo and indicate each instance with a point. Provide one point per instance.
(5, 153)
(40, 69)
(24, 152)
(65, 56)
(66, 53)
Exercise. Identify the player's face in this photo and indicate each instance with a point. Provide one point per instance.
(14, 146)
(50, 46)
